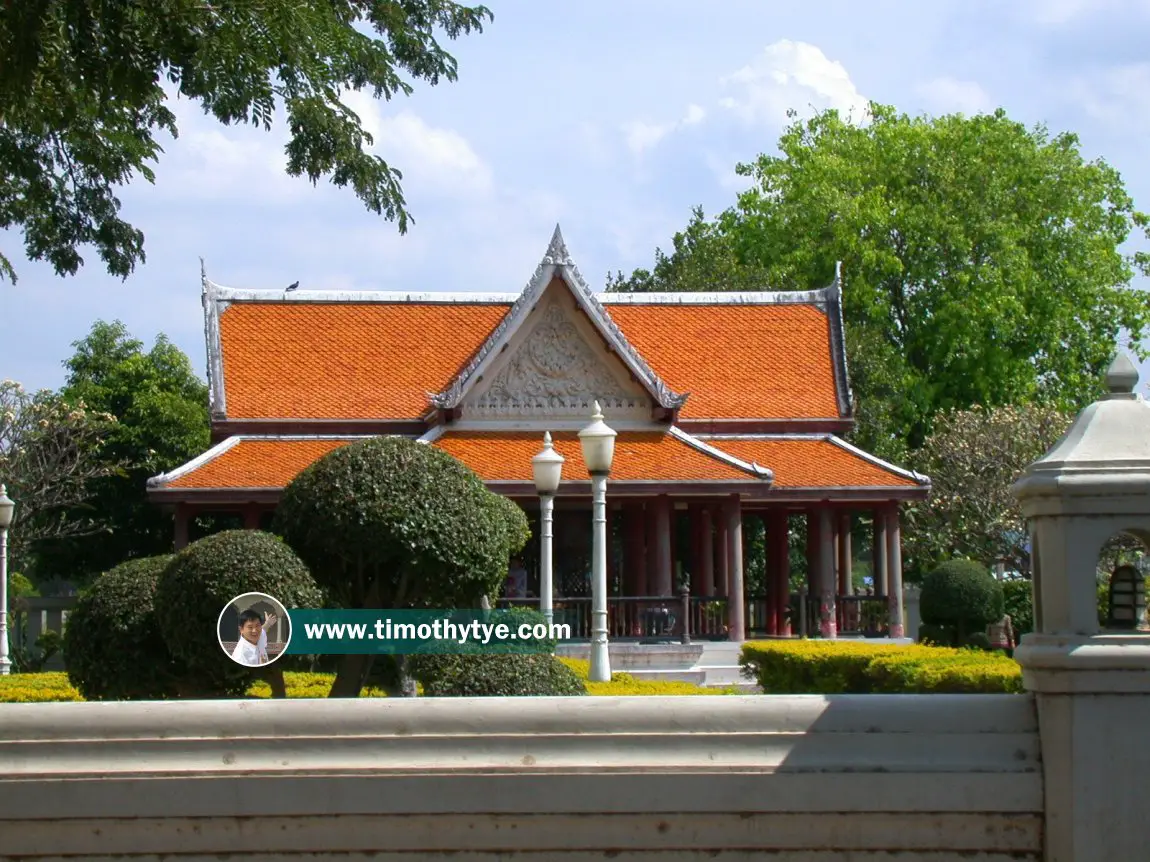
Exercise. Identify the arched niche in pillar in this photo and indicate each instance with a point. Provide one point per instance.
(1092, 485)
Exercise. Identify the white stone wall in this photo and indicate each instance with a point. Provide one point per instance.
(803, 778)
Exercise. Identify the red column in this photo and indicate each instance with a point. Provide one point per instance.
(846, 583)
(779, 561)
(769, 594)
(813, 542)
(707, 552)
(722, 570)
(251, 517)
(664, 581)
(634, 560)
(651, 542)
(695, 561)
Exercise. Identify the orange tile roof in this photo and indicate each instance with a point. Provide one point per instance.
(345, 360)
(770, 361)
(257, 464)
(639, 456)
(811, 463)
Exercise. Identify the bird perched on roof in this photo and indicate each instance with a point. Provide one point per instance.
(291, 287)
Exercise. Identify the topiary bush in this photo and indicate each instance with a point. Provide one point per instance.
(962, 596)
(505, 675)
(392, 523)
(114, 648)
(200, 581)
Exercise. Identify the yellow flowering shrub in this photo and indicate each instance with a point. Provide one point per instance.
(851, 667)
(37, 688)
(308, 685)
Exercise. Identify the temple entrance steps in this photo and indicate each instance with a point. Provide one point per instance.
(708, 664)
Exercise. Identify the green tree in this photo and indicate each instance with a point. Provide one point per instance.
(392, 523)
(960, 599)
(52, 454)
(973, 457)
(84, 89)
(201, 580)
(161, 412)
(981, 260)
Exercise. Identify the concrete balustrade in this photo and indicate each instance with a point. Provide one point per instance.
(804, 778)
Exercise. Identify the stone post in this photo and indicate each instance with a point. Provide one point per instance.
(1092, 688)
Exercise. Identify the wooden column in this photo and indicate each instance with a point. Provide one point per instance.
(722, 586)
(769, 597)
(650, 521)
(612, 560)
(894, 572)
(812, 552)
(736, 601)
(663, 584)
(251, 517)
(779, 560)
(707, 551)
(846, 581)
(880, 553)
(183, 519)
(828, 618)
(634, 560)
(695, 561)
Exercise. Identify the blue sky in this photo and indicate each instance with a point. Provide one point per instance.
(612, 118)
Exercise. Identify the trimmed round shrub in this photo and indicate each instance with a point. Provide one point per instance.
(114, 648)
(199, 582)
(963, 596)
(505, 675)
(389, 522)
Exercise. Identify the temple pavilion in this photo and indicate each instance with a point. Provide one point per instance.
(729, 407)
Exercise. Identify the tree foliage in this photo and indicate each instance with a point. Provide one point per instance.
(84, 89)
(51, 454)
(114, 648)
(980, 258)
(392, 523)
(161, 412)
(973, 457)
(962, 596)
(204, 577)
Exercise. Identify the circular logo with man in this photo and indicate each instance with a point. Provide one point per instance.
(254, 629)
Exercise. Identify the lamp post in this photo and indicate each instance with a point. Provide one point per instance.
(547, 468)
(598, 442)
(7, 509)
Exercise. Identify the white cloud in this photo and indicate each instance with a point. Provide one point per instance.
(642, 136)
(791, 75)
(950, 95)
(1060, 12)
(1119, 96)
(432, 160)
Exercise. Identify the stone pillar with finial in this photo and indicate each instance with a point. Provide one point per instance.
(1091, 687)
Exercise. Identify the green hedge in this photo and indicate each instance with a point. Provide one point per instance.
(495, 675)
(838, 667)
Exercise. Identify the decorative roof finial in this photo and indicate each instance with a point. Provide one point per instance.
(1122, 376)
(557, 254)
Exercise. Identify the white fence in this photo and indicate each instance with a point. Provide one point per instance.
(802, 778)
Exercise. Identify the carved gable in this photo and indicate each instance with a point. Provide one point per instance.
(556, 366)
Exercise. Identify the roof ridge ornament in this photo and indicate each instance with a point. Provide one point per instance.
(557, 253)
(1121, 377)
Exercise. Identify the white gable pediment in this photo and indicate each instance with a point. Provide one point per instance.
(556, 366)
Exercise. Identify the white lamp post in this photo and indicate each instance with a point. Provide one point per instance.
(7, 509)
(547, 467)
(598, 443)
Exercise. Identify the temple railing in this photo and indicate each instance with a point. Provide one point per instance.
(661, 618)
